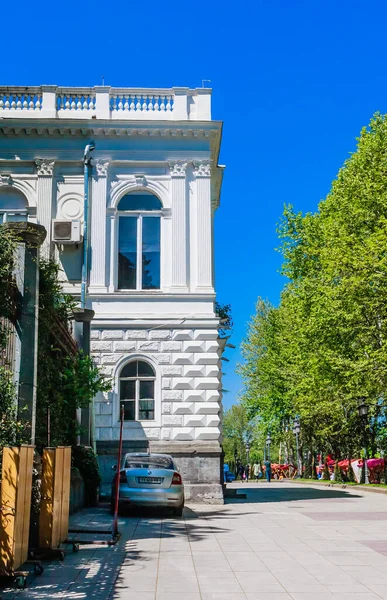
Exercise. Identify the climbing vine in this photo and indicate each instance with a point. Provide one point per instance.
(67, 379)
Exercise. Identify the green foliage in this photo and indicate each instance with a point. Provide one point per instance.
(236, 429)
(85, 460)
(223, 312)
(8, 244)
(67, 379)
(11, 430)
(326, 473)
(350, 474)
(324, 346)
(337, 473)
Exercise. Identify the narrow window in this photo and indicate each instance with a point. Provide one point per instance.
(139, 242)
(127, 253)
(137, 391)
(150, 253)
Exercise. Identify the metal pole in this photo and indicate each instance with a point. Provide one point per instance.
(85, 265)
(115, 521)
(366, 478)
(298, 458)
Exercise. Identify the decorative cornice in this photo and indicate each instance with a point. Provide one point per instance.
(101, 167)
(202, 168)
(5, 180)
(61, 127)
(177, 168)
(45, 168)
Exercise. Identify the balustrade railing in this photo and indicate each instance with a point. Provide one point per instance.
(68, 100)
(141, 102)
(20, 99)
(53, 102)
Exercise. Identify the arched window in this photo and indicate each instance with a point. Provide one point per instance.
(137, 391)
(139, 242)
(13, 206)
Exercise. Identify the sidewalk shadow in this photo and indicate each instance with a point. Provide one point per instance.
(257, 495)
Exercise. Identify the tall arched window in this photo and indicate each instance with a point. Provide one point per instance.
(137, 391)
(139, 242)
(13, 206)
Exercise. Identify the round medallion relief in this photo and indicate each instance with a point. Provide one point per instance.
(71, 207)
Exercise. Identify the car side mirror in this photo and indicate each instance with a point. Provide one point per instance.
(114, 468)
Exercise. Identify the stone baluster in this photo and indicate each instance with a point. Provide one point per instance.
(179, 226)
(98, 227)
(44, 209)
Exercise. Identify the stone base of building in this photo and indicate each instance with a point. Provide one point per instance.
(203, 493)
(200, 464)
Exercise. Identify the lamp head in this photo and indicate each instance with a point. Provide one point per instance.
(362, 407)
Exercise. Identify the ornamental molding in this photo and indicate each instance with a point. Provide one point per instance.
(138, 183)
(140, 180)
(101, 167)
(202, 168)
(118, 130)
(177, 168)
(45, 168)
(27, 188)
(5, 180)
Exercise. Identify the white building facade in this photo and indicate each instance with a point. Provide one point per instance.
(155, 186)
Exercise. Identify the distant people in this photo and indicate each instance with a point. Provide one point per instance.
(257, 471)
(241, 472)
(247, 472)
(268, 470)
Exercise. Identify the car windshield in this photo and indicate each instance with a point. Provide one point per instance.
(148, 462)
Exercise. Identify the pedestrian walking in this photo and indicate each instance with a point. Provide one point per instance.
(268, 470)
(242, 472)
(257, 471)
(247, 471)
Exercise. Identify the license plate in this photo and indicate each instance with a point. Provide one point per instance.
(149, 480)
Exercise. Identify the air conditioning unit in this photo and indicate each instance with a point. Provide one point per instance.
(66, 232)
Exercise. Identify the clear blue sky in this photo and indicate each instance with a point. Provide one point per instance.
(293, 81)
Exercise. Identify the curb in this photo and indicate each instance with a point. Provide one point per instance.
(343, 486)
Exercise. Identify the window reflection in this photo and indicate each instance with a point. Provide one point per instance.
(127, 253)
(150, 253)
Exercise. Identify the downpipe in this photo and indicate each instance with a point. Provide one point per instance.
(85, 265)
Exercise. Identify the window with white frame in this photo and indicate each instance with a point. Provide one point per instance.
(139, 216)
(137, 391)
(13, 206)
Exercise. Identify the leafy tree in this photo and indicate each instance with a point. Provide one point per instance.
(324, 346)
(236, 430)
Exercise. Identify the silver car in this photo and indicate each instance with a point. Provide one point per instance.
(149, 480)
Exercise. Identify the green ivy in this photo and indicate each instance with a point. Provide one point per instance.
(85, 460)
(66, 380)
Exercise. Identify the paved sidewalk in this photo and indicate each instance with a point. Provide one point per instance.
(283, 542)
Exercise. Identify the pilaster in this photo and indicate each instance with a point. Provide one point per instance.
(98, 227)
(179, 226)
(201, 245)
(45, 170)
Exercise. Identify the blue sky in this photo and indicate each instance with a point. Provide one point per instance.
(293, 81)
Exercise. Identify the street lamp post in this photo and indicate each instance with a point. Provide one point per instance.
(296, 431)
(268, 442)
(247, 447)
(363, 414)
